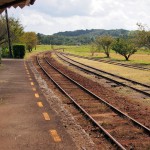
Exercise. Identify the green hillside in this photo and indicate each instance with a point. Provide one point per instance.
(94, 32)
(78, 36)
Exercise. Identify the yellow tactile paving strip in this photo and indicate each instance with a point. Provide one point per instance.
(40, 104)
(55, 135)
(46, 116)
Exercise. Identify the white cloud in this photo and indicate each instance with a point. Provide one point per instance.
(64, 8)
(54, 15)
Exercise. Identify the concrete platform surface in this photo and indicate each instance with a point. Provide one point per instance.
(26, 120)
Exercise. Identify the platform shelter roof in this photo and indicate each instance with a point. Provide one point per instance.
(14, 3)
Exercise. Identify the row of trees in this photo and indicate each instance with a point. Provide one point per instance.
(17, 35)
(64, 40)
(125, 46)
(78, 37)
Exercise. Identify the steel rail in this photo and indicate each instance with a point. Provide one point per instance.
(135, 82)
(146, 129)
(111, 62)
(112, 80)
(111, 138)
(120, 113)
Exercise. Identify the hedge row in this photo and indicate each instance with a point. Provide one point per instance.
(18, 51)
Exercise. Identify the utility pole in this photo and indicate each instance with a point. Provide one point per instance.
(8, 34)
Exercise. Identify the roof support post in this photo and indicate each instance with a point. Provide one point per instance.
(8, 34)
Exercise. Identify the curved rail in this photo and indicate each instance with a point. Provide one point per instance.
(113, 140)
(112, 80)
(146, 130)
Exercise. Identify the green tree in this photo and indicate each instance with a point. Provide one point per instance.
(105, 42)
(93, 48)
(143, 36)
(124, 47)
(52, 47)
(30, 40)
(3, 31)
(16, 30)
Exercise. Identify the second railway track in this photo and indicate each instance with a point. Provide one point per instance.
(116, 125)
(111, 62)
(118, 80)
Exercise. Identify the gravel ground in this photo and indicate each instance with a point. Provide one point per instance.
(79, 136)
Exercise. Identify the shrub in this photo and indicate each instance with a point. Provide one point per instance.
(18, 51)
(5, 53)
(124, 47)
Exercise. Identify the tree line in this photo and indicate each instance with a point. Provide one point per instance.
(78, 37)
(125, 45)
(122, 41)
(63, 40)
(17, 35)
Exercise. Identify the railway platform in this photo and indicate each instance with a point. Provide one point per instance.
(26, 120)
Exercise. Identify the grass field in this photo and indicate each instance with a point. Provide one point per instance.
(140, 57)
(39, 48)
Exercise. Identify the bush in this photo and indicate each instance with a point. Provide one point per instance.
(5, 53)
(18, 51)
(124, 47)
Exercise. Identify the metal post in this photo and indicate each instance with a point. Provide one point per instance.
(0, 55)
(8, 34)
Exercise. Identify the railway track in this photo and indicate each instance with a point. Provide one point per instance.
(119, 128)
(111, 62)
(118, 80)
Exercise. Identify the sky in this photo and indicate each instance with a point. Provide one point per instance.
(52, 16)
